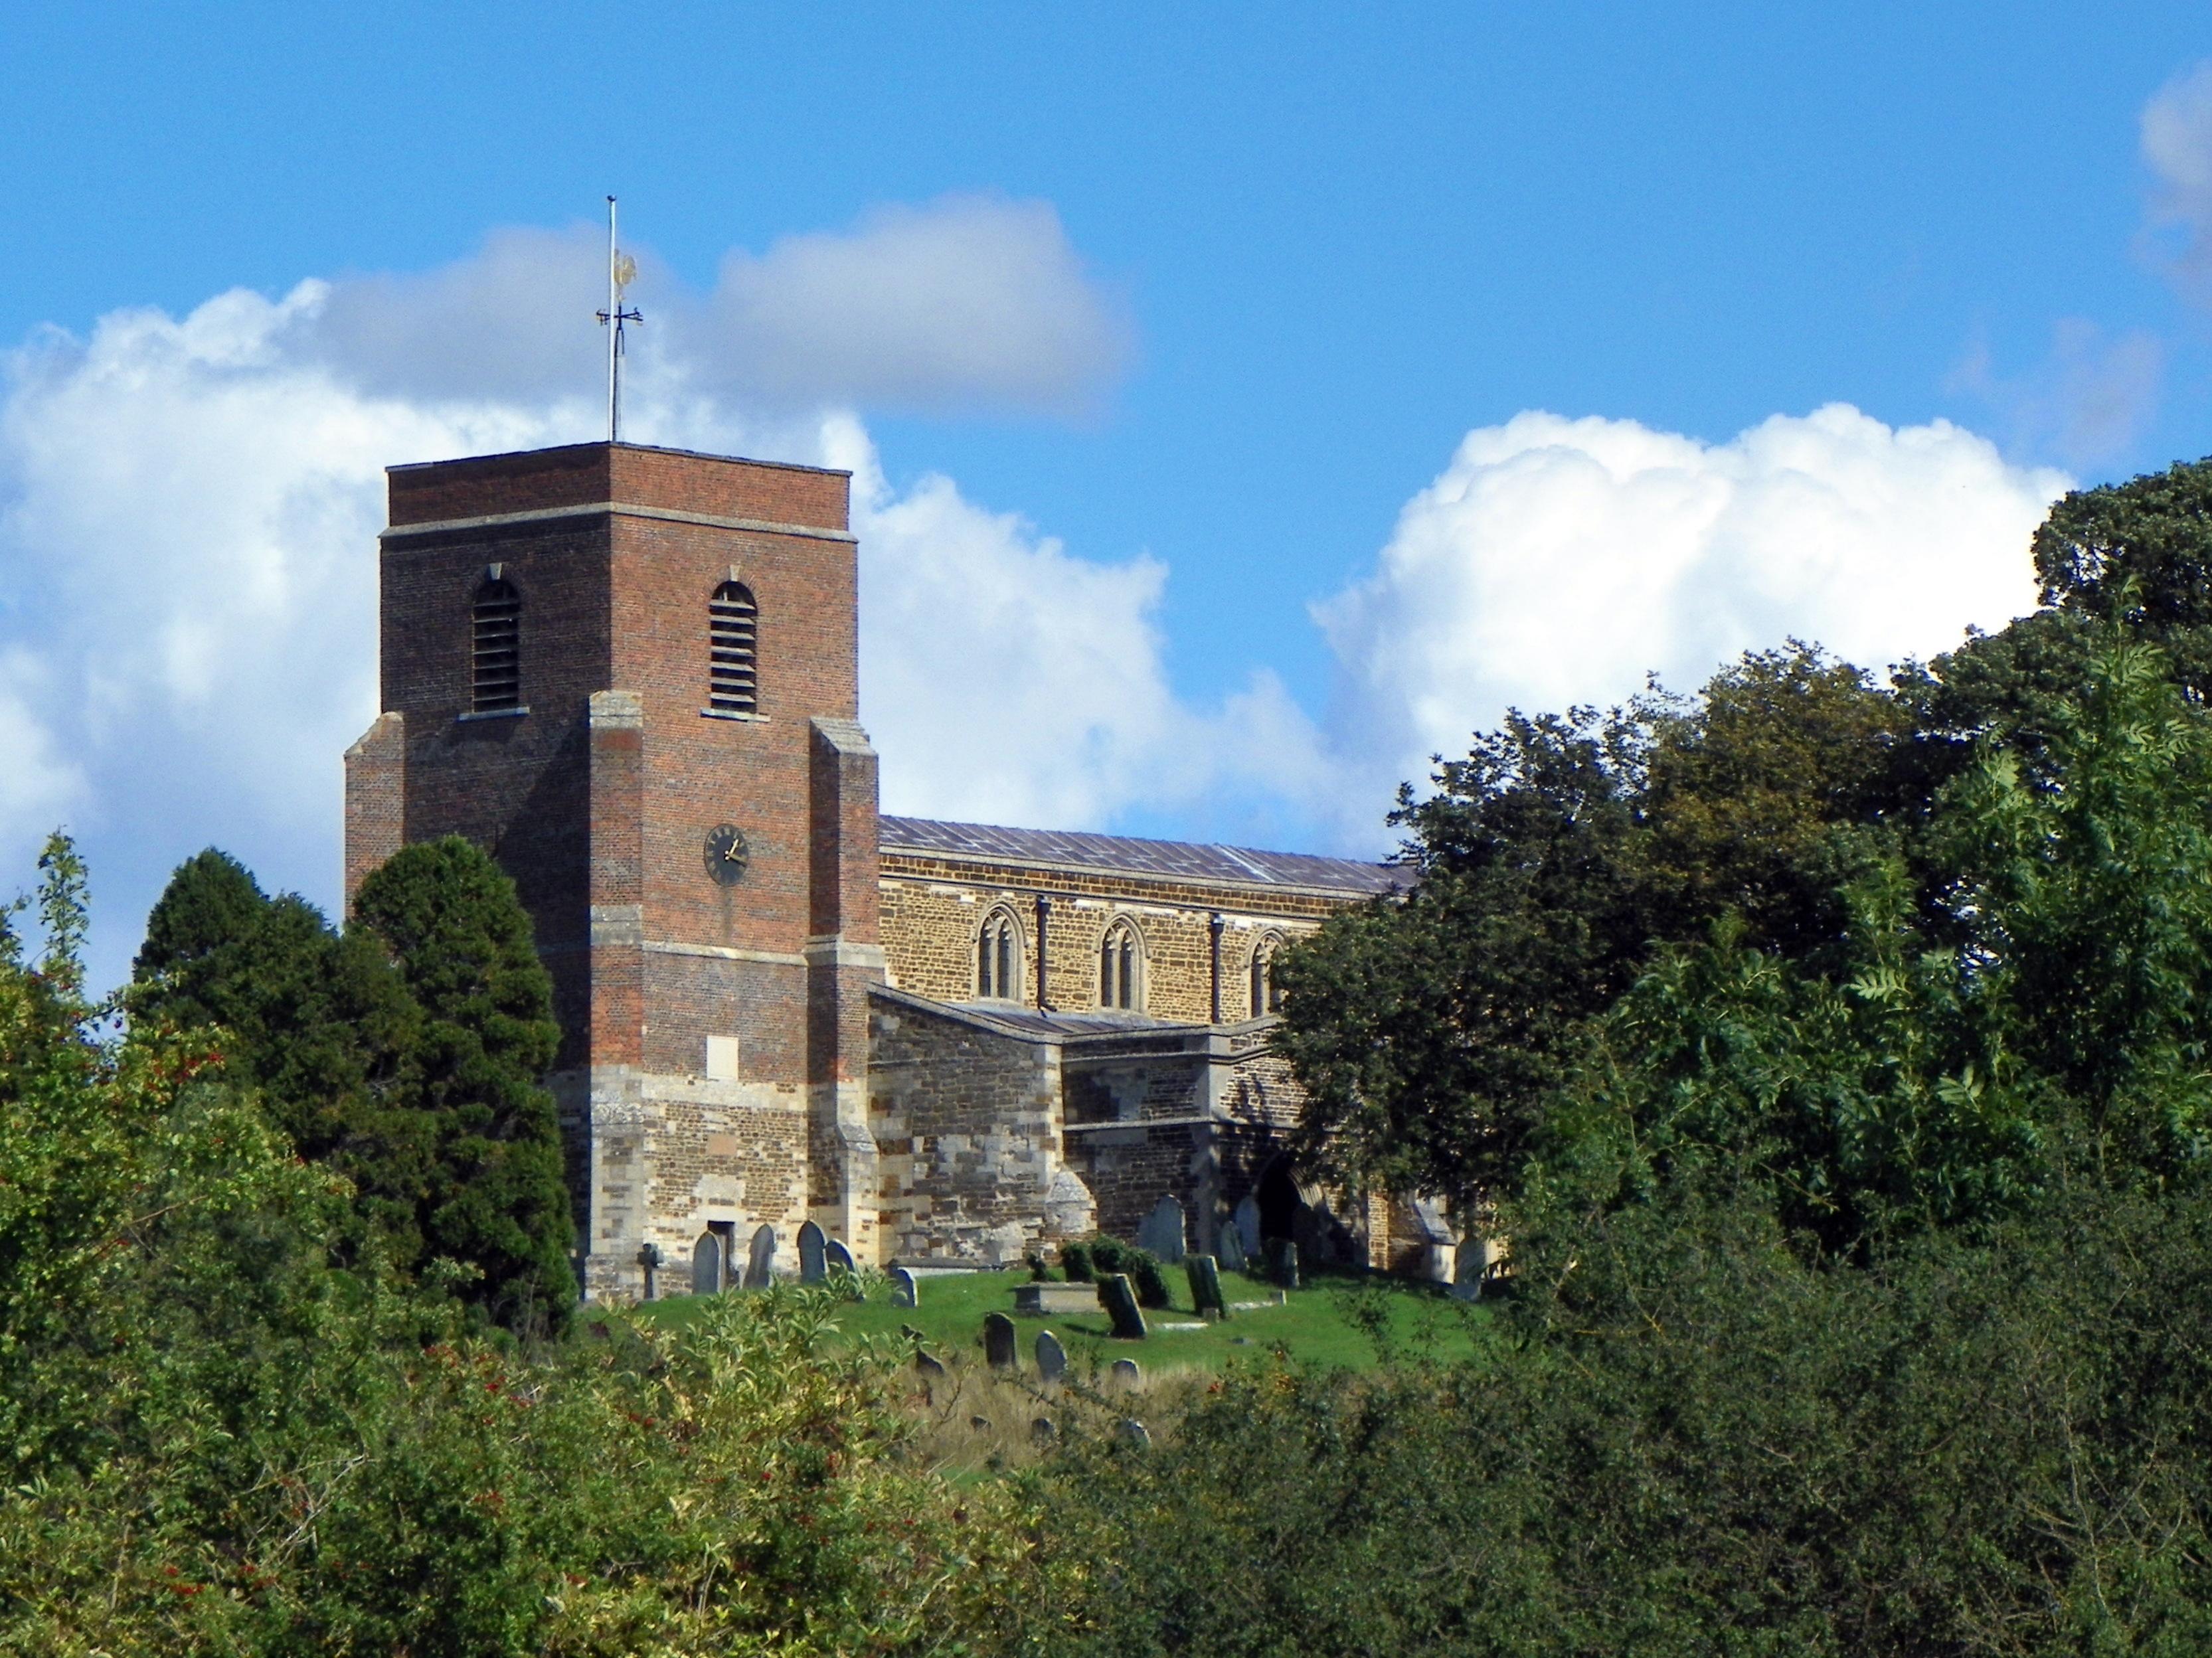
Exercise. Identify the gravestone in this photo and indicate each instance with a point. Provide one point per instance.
(1283, 1263)
(1120, 1302)
(706, 1265)
(1467, 1270)
(1246, 1220)
(813, 1266)
(1205, 1286)
(1051, 1359)
(759, 1259)
(1231, 1249)
(927, 1367)
(1001, 1346)
(1041, 1430)
(1161, 1236)
(981, 1424)
(842, 1270)
(1136, 1433)
(906, 1289)
(1127, 1373)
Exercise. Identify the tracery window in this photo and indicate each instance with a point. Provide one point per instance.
(733, 642)
(999, 957)
(495, 647)
(1121, 968)
(1267, 995)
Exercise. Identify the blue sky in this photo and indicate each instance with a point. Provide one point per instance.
(1315, 247)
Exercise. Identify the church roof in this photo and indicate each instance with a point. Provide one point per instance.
(1129, 854)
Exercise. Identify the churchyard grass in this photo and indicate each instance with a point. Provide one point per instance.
(1350, 1322)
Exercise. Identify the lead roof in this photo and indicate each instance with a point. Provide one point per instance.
(1185, 861)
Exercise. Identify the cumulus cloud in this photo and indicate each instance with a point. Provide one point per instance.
(1555, 562)
(969, 301)
(2177, 146)
(1007, 680)
(972, 299)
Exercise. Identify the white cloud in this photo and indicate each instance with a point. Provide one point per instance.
(967, 301)
(2177, 146)
(972, 299)
(1555, 562)
(1007, 681)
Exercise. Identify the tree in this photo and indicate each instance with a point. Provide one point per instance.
(315, 1021)
(469, 1141)
(1433, 1032)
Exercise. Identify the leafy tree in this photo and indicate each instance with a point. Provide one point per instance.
(470, 1140)
(1433, 1032)
(315, 1021)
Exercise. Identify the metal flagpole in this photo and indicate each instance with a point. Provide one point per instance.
(612, 317)
(621, 272)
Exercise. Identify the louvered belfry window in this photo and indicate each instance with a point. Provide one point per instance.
(733, 639)
(496, 648)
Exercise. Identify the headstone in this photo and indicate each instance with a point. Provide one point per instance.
(1128, 1373)
(1467, 1270)
(842, 1268)
(1001, 1346)
(981, 1424)
(1246, 1220)
(813, 1266)
(759, 1259)
(1136, 1433)
(1051, 1359)
(1043, 1430)
(706, 1265)
(1283, 1263)
(1161, 1233)
(1206, 1295)
(1070, 1211)
(1232, 1247)
(931, 1373)
(1120, 1302)
(1003, 1245)
(906, 1289)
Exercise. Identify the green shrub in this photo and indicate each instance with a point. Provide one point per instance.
(1075, 1261)
(1142, 1266)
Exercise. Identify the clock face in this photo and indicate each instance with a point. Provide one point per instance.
(727, 852)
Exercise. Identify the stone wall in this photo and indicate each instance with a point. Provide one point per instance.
(966, 1117)
(931, 908)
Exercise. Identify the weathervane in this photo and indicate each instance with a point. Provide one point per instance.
(622, 271)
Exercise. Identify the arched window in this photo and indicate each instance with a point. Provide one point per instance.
(1267, 996)
(1121, 968)
(495, 647)
(999, 957)
(734, 641)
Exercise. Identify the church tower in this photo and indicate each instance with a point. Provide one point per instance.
(631, 675)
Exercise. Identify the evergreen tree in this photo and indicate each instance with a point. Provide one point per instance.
(471, 1139)
(316, 1021)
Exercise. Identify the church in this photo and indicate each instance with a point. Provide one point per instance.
(631, 674)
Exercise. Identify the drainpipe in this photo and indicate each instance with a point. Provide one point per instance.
(1043, 923)
(1214, 926)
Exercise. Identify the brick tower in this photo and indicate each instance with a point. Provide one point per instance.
(631, 675)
